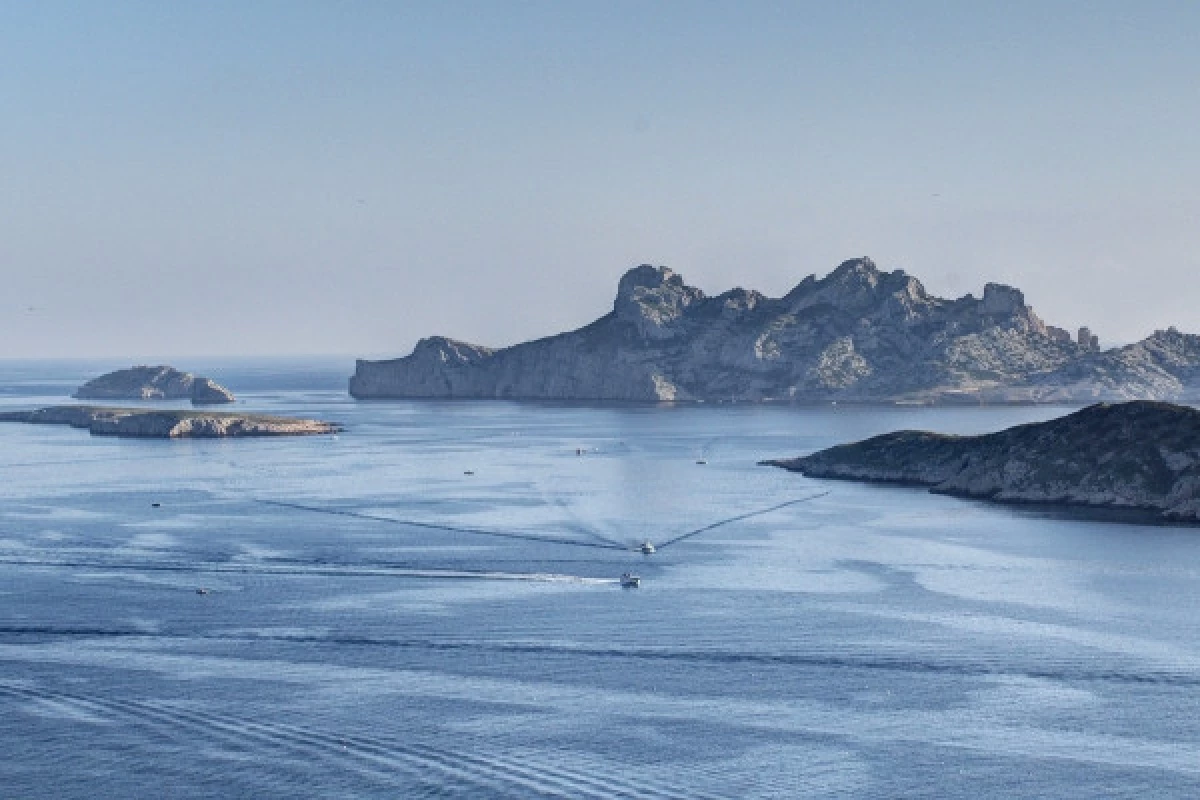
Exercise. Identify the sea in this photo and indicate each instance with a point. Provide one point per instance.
(428, 605)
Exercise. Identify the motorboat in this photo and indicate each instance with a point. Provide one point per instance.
(647, 548)
(630, 581)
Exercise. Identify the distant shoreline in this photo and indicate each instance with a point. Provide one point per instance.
(170, 423)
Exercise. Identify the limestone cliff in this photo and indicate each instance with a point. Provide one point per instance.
(1136, 455)
(858, 334)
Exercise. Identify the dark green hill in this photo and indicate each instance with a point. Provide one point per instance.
(1137, 455)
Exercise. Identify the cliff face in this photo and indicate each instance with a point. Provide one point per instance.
(858, 334)
(1139, 455)
(1163, 366)
(154, 383)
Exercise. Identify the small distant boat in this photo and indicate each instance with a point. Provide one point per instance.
(156, 505)
(202, 590)
(701, 461)
(630, 581)
(647, 548)
(468, 472)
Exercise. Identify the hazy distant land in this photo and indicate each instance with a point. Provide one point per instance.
(169, 424)
(155, 383)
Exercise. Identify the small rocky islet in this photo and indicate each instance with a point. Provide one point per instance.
(155, 383)
(169, 423)
(1139, 455)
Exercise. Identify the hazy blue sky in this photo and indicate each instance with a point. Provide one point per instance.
(344, 177)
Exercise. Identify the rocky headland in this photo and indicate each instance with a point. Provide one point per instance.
(1135, 455)
(169, 424)
(155, 383)
(857, 335)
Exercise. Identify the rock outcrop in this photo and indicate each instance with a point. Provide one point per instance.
(207, 392)
(1137, 455)
(859, 334)
(141, 423)
(154, 383)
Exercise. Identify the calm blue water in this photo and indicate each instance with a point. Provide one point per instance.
(871, 642)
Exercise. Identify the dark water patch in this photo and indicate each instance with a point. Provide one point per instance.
(1062, 670)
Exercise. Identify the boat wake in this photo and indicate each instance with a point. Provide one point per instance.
(596, 540)
(303, 568)
(738, 518)
(531, 537)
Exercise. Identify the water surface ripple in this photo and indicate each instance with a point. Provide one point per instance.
(427, 605)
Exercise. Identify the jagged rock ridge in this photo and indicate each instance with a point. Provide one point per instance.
(1135, 455)
(858, 334)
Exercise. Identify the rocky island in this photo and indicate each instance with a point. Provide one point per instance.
(1136, 455)
(155, 383)
(859, 334)
(169, 424)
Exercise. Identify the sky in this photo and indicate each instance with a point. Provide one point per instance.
(272, 178)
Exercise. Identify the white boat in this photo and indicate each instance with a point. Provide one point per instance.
(646, 547)
(630, 581)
